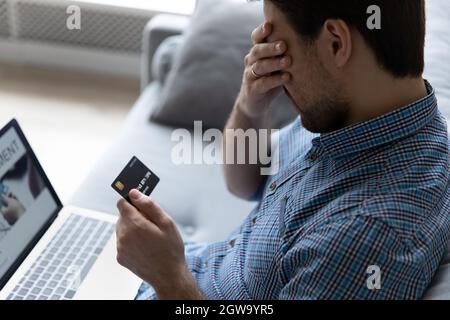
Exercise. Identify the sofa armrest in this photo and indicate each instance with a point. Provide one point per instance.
(159, 28)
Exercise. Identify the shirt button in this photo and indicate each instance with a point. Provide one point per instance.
(273, 186)
(232, 243)
(313, 157)
(254, 220)
(205, 265)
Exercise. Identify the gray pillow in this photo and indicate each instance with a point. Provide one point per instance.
(163, 58)
(207, 70)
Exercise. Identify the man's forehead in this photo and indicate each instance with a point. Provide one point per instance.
(271, 12)
(281, 28)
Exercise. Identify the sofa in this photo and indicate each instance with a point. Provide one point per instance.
(194, 195)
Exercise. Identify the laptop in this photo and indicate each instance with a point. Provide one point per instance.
(49, 251)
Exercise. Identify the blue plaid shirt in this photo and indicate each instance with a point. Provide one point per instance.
(374, 194)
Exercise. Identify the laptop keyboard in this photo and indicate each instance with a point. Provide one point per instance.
(67, 259)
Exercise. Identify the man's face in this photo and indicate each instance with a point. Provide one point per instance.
(318, 97)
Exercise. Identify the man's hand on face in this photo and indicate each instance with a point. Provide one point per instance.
(264, 74)
(149, 245)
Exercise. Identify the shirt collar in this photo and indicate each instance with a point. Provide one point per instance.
(382, 130)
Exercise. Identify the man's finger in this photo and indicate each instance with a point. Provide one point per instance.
(265, 84)
(130, 214)
(149, 208)
(126, 210)
(261, 33)
(266, 50)
(269, 66)
(119, 226)
(122, 205)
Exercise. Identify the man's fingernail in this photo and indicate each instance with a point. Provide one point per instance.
(135, 194)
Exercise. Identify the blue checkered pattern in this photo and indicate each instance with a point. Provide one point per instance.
(374, 194)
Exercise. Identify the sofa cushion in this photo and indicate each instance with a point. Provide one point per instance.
(163, 58)
(196, 196)
(208, 67)
(437, 51)
(437, 71)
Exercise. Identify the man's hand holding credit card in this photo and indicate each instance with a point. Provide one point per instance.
(148, 241)
(137, 176)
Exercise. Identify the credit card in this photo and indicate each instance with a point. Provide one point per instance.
(135, 175)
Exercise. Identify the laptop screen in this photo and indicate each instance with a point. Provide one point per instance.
(27, 200)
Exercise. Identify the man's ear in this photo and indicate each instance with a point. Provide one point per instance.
(336, 43)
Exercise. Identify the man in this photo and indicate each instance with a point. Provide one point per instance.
(359, 211)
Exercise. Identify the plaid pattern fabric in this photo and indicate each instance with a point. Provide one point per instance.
(374, 194)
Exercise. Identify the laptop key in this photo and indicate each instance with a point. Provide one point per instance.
(36, 291)
(79, 262)
(70, 294)
(57, 276)
(34, 277)
(62, 270)
(56, 262)
(47, 292)
(71, 256)
(41, 283)
(87, 267)
(22, 292)
(84, 255)
(60, 290)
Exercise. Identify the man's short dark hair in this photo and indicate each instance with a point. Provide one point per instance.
(398, 45)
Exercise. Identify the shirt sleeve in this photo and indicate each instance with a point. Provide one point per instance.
(356, 258)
